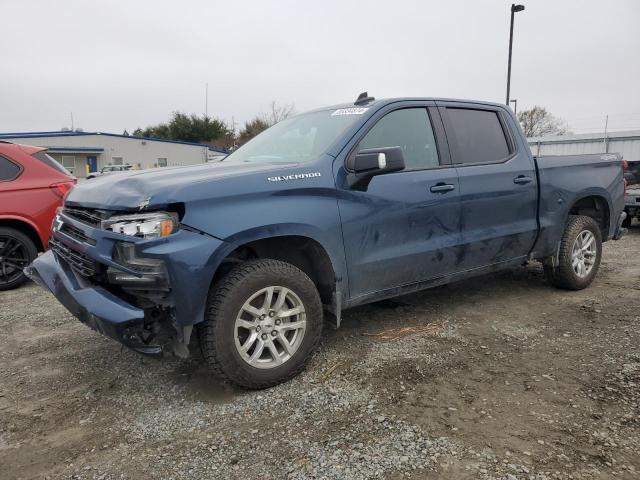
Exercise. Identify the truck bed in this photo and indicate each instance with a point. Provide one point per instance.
(561, 183)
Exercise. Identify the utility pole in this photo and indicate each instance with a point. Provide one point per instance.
(515, 106)
(606, 125)
(72, 121)
(206, 100)
(514, 8)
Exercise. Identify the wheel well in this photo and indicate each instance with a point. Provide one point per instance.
(302, 252)
(595, 207)
(25, 228)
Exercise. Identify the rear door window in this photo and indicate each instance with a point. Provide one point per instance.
(479, 136)
(48, 160)
(8, 169)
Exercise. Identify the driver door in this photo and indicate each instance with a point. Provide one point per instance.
(404, 228)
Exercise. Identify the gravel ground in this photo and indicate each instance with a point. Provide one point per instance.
(495, 377)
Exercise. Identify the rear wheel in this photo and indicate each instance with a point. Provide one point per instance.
(263, 321)
(626, 223)
(16, 252)
(579, 255)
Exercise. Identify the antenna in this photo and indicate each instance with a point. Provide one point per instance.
(363, 99)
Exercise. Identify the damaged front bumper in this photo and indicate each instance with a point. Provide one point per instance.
(94, 306)
(79, 269)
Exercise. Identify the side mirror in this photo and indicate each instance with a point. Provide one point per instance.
(368, 163)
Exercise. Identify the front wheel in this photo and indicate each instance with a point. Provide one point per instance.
(579, 255)
(263, 321)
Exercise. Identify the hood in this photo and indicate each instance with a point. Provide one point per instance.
(158, 187)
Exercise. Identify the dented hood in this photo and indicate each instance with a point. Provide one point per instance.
(159, 187)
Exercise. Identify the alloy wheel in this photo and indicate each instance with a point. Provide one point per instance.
(583, 255)
(14, 256)
(270, 327)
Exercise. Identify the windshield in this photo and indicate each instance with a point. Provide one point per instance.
(297, 139)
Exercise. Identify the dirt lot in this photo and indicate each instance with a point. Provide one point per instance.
(497, 377)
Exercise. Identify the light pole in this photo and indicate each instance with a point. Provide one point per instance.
(514, 8)
(515, 106)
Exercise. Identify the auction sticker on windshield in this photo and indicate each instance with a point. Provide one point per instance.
(350, 111)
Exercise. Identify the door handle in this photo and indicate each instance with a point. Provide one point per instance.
(522, 180)
(442, 188)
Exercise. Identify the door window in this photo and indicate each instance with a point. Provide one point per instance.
(409, 129)
(479, 136)
(8, 170)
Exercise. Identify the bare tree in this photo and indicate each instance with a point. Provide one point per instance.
(278, 113)
(538, 122)
(265, 120)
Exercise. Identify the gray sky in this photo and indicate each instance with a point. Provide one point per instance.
(124, 64)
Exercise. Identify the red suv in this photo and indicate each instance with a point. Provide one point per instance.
(32, 187)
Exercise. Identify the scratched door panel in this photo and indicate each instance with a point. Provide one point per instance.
(399, 232)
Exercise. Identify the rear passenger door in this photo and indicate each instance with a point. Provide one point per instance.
(498, 186)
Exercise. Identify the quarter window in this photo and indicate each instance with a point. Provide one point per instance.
(8, 169)
(409, 129)
(48, 160)
(479, 136)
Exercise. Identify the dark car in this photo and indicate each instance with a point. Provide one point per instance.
(32, 187)
(324, 211)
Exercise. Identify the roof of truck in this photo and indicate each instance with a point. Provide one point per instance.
(385, 101)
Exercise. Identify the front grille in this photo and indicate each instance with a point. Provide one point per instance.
(90, 216)
(76, 233)
(80, 262)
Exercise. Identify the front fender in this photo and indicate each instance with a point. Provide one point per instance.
(332, 244)
(251, 208)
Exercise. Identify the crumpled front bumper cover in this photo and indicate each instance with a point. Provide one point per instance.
(108, 314)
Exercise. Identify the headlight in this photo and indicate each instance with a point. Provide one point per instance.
(144, 225)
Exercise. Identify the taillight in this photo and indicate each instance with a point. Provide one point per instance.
(61, 188)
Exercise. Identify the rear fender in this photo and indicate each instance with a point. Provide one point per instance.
(555, 208)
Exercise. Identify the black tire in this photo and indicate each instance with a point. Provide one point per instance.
(16, 250)
(626, 223)
(217, 332)
(563, 275)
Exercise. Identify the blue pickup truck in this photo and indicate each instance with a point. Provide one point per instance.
(330, 209)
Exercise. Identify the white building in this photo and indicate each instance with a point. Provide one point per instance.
(83, 152)
(626, 144)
